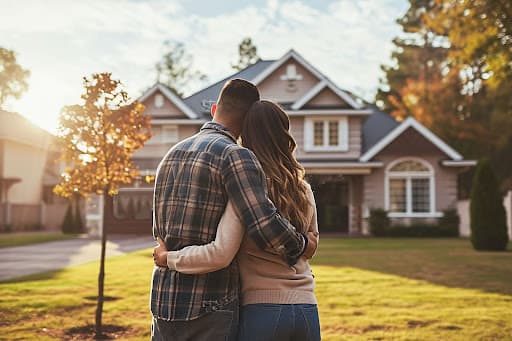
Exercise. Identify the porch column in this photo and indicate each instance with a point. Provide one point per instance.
(356, 200)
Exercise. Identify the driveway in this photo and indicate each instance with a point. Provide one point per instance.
(30, 259)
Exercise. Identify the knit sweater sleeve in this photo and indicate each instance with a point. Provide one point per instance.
(313, 225)
(199, 259)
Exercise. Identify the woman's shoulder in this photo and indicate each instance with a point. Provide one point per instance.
(309, 190)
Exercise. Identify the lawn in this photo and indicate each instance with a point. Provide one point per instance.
(368, 289)
(18, 239)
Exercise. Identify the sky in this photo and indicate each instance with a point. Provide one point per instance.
(61, 41)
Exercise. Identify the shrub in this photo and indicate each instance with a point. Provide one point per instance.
(421, 230)
(78, 223)
(379, 222)
(68, 224)
(447, 226)
(449, 222)
(488, 218)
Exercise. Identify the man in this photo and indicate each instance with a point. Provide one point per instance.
(193, 184)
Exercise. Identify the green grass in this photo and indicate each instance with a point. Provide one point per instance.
(368, 289)
(7, 240)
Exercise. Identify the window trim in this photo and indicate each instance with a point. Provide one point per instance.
(160, 133)
(309, 137)
(408, 176)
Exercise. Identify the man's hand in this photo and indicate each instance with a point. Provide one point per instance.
(160, 253)
(312, 245)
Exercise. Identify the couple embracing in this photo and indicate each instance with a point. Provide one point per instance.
(236, 225)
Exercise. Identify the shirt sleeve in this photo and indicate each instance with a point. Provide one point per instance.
(245, 185)
(313, 224)
(199, 259)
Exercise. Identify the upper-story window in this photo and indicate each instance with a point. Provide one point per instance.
(326, 134)
(159, 101)
(164, 134)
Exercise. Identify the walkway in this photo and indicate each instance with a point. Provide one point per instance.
(30, 259)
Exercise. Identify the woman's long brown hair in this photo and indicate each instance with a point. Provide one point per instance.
(266, 131)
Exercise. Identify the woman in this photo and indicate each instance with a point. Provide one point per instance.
(278, 301)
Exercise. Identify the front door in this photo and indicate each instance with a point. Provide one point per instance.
(332, 204)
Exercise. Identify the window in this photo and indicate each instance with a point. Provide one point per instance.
(170, 134)
(159, 100)
(319, 133)
(410, 189)
(326, 134)
(133, 205)
(164, 135)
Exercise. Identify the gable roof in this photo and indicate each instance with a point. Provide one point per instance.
(410, 122)
(211, 93)
(317, 89)
(259, 71)
(324, 80)
(17, 128)
(171, 96)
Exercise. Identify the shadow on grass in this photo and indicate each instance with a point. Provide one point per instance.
(87, 332)
(41, 276)
(448, 262)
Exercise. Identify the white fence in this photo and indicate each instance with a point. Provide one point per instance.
(463, 210)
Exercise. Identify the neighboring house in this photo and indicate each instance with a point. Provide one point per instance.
(26, 179)
(356, 157)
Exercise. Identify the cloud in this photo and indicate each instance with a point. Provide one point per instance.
(61, 41)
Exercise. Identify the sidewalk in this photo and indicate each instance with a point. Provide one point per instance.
(30, 259)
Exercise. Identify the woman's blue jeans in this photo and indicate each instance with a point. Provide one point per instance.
(279, 322)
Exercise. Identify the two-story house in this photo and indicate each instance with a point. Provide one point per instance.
(356, 157)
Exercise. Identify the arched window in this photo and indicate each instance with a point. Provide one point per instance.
(410, 188)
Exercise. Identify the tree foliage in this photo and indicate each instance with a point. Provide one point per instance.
(13, 78)
(488, 217)
(451, 71)
(97, 139)
(247, 54)
(175, 68)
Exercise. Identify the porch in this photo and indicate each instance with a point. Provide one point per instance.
(338, 201)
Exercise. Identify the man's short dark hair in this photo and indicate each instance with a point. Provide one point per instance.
(236, 97)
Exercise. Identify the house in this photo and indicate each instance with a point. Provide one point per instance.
(27, 176)
(356, 157)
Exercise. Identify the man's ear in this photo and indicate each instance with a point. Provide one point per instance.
(213, 109)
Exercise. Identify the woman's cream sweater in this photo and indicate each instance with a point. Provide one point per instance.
(265, 277)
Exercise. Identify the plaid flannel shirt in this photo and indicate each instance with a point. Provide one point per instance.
(193, 184)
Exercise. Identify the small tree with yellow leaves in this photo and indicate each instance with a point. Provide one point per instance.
(98, 139)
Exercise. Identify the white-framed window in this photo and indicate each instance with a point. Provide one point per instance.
(326, 133)
(164, 134)
(159, 100)
(410, 188)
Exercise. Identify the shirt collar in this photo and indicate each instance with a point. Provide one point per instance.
(211, 125)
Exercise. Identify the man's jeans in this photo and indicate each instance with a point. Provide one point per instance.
(279, 322)
(220, 324)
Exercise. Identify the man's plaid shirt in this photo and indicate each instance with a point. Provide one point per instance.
(193, 183)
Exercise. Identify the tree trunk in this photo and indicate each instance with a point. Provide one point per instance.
(101, 276)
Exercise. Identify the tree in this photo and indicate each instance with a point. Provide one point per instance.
(247, 54)
(440, 76)
(97, 139)
(175, 68)
(13, 78)
(488, 217)
(480, 36)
